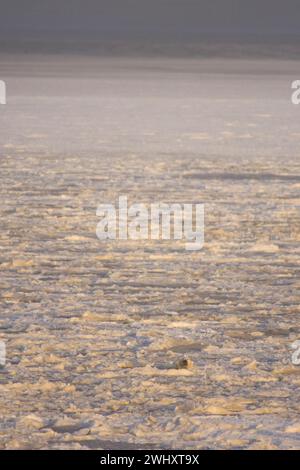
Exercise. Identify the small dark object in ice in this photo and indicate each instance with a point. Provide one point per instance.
(15, 360)
(184, 363)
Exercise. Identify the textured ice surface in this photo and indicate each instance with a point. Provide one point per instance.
(94, 330)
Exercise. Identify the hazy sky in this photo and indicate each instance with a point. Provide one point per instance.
(147, 18)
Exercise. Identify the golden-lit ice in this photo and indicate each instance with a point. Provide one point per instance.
(97, 332)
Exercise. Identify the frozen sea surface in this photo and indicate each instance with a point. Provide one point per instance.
(94, 330)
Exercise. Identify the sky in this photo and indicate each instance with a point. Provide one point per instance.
(121, 19)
